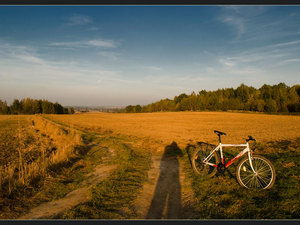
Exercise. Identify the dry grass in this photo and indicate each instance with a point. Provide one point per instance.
(29, 145)
(183, 127)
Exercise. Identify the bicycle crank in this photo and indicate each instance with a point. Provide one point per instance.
(221, 168)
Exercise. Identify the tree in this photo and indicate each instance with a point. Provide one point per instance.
(276, 98)
(16, 107)
(179, 98)
(47, 107)
(242, 92)
(270, 106)
(138, 108)
(129, 109)
(70, 110)
(27, 106)
(5, 108)
(36, 105)
(58, 108)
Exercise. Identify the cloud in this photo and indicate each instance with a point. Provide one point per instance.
(153, 68)
(102, 43)
(23, 64)
(79, 20)
(93, 28)
(289, 61)
(109, 55)
(98, 43)
(284, 44)
(243, 19)
(228, 62)
(31, 58)
(237, 22)
(19, 52)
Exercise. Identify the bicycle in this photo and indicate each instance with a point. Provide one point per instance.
(253, 171)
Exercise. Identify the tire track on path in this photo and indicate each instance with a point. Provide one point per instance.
(51, 209)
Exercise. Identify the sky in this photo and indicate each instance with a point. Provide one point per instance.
(122, 55)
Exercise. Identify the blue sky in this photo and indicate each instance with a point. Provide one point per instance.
(121, 55)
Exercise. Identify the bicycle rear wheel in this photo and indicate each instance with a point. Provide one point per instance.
(200, 153)
(264, 177)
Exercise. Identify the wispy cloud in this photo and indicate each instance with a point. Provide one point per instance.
(153, 68)
(30, 58)
(109, 55)
(243, 19)
(289, 61)
(285, 44)
(19, 52)
(24, 64)
(78, 19)
(93, 28)
(228, 62)
(98, 43)
(237, 22)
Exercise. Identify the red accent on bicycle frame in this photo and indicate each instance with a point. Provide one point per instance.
(233, 160)
(215, 166)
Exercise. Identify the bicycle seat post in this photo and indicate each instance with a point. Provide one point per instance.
(219, 133)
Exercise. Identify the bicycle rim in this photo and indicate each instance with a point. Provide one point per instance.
(263, 178)
(203, 169)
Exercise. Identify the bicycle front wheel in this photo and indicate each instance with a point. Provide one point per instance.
(203, 169)
(263, 177)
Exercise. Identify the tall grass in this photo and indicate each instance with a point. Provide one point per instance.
(21, 171)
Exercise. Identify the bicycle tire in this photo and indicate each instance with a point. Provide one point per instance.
(265, 173)
(199, 167)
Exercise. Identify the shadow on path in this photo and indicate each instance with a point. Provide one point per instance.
(166, 202)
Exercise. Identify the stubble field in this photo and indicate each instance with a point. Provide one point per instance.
(183, 127)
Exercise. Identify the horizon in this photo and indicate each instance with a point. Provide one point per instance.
(129, 55)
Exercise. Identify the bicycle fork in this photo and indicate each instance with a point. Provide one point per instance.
(250, 158)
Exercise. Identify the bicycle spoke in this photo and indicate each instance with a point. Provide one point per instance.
(261, 178)
(203, 168)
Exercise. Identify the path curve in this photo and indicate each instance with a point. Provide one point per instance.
(51, 209)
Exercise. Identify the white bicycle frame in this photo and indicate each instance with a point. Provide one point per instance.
(219, 147)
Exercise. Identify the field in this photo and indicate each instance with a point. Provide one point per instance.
(145, 159)
(183, 127)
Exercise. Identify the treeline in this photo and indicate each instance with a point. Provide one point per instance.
(276, 98)
(33, 106)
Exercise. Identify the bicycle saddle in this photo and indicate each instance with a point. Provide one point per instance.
(219, 132)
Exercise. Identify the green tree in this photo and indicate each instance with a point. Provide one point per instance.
(27, 106)
(179, 98)
(138, 108)
(270, 106)
(129, 109)
(16, 107)
(58, 108)
(36, 105)
(47, 107)
(70, 110)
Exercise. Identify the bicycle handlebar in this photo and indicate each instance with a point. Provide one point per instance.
(250, 139)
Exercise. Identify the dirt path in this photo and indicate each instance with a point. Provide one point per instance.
(51, 209)
(166, 194)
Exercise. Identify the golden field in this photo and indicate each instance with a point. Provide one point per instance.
(184, 127)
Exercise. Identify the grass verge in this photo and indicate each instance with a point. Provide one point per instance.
(221, 197)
